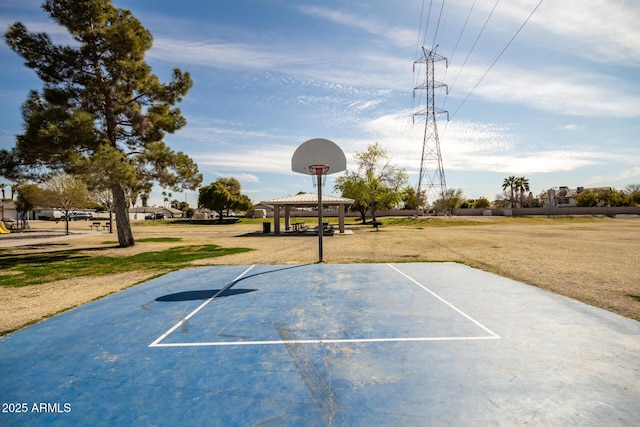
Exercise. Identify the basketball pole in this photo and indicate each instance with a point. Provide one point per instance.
(320, 227)
(318, 157)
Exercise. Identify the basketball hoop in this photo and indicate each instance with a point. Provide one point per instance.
(318, 170)
(314, 157)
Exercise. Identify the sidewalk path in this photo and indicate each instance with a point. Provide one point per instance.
(28, 238)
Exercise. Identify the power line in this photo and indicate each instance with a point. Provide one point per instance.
(426, 28)
(435, 34)
(414, 82)
(474, 45)
(498, 57)
(419, 30)
(455, 48)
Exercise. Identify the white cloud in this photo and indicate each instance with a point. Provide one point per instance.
(334, 68)
(220, 132)
(604, 30)
(559, 90)
(221, 54)
(520, 162)
(490, 147)
(572, 127)
(625, 176)
(600, 30)
(245, 177)
(397, 35)
(272, 159)
(471, 146)
(365, 105)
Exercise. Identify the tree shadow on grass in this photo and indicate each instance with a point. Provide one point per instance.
(8, 261)
(38, 258)
(225, 221)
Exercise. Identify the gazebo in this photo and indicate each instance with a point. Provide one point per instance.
(305, 200)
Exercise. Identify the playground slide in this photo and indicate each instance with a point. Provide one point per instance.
(3, 228)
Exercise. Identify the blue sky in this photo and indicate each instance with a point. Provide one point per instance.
(561, 106)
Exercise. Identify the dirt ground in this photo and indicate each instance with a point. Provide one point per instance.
(593, 260)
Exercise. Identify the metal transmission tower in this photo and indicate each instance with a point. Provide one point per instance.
(431, 169)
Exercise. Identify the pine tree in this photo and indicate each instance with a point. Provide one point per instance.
(101, 113)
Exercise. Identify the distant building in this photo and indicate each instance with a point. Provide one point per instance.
(8, 209)
(141, 212)
(565, 197)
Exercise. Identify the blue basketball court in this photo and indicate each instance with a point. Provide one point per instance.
(325, 344)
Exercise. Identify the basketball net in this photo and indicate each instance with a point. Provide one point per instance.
(318, 170)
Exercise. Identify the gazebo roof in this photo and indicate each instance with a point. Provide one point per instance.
(308, 199)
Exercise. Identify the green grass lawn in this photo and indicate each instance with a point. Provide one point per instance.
(36, 268)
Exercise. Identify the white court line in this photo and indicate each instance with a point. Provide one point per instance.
(157, 343)
(190, 315)
(328, 341)
(489, 331)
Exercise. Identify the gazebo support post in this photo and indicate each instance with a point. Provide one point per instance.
(287, 217)
(276, 219)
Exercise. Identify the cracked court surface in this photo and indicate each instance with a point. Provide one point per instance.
(325, 344)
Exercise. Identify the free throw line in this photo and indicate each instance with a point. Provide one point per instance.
(323, 341)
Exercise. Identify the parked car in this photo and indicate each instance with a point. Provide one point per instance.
(156, 215)
(80, 216)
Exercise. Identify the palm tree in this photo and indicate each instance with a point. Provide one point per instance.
(510, 183)
(522, 185)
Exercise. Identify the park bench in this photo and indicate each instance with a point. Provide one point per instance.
(376, 224)
(96, 225)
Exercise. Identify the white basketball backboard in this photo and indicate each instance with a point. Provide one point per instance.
(318, 151)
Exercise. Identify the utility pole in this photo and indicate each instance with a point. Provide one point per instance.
(431, 168)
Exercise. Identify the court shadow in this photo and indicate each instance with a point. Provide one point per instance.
(202, 295)
(275, 270)
(226, 291)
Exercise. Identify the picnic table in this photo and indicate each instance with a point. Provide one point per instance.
(97, 224)
(327, 229)
(298, 227)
